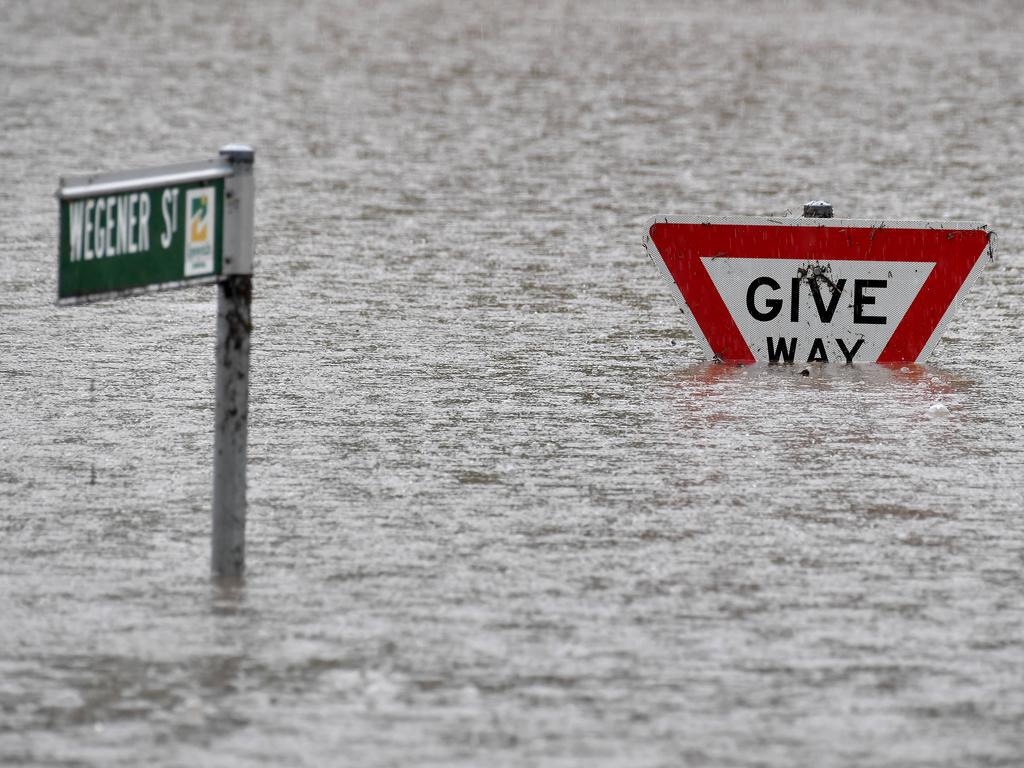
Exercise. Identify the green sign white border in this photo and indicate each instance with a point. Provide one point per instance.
(236, 233)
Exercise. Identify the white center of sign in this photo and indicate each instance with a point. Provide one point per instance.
(793, 310)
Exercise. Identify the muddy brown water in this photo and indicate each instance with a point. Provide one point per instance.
(500, 514)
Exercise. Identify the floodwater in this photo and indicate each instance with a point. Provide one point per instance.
(500, 513)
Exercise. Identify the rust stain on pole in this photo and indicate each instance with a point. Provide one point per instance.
(234, 326)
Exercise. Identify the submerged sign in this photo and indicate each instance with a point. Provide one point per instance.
(140, 231)
(816, 290)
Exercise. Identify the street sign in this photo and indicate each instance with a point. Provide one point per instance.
(792, 290)
(138, 231)
(147, 230)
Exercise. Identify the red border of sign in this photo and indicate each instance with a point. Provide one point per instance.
(677, 244)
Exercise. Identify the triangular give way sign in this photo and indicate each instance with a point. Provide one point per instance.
(798, 290)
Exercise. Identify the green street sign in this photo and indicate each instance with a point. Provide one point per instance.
(138, 231)
(147, 230)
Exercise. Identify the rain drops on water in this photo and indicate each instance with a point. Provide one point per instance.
(938, 409)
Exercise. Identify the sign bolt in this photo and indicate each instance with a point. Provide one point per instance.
(815, 209)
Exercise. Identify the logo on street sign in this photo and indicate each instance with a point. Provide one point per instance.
(199, 237)
(797, 290)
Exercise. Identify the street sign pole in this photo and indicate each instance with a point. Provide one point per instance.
(132, 232)
(231, 410)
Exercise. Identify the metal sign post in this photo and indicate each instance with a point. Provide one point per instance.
(133, 232)
(231, 413)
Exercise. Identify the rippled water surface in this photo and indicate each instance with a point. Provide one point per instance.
(500, 514)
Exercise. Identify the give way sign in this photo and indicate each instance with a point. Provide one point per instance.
(796, 290)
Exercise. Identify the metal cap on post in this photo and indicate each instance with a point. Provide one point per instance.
(238, 153)
(818, 209)
(234, 325)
